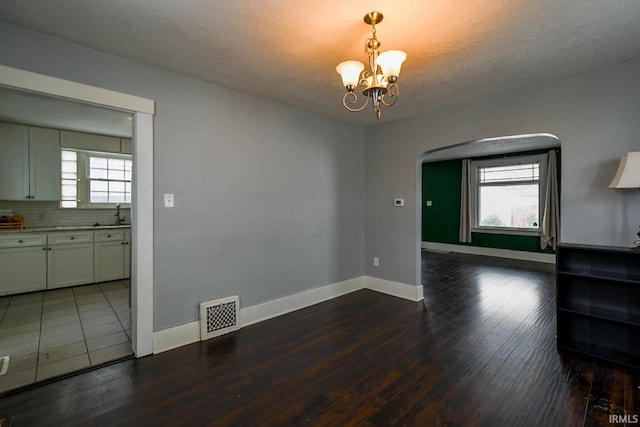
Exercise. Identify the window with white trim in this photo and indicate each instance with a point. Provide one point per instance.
(95, 179)
(507, 194)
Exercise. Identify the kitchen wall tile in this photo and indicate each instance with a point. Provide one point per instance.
(47, 214)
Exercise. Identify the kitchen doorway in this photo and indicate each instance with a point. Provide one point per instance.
(141, 215)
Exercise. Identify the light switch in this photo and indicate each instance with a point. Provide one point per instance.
(168, 201)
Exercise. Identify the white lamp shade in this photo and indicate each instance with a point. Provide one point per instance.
(628, 175)
(391, 61)
(350, 72)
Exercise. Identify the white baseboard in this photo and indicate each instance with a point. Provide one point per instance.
(397, 289)
(278, 307)
(177, 336)
(188, 333)
(478, 250)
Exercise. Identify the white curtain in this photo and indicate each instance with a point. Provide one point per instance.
(465, 202)
(551, 212)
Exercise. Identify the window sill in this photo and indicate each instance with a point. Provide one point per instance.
(504, 230)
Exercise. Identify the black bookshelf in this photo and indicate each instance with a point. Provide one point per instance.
(598, 302)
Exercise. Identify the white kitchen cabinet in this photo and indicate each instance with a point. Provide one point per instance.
(109, 255)
(44, 161)
(14, 161)
(126, 146)
(29, 163)
(127, 254)
(69, 259)
(89, 141)
(23, 263)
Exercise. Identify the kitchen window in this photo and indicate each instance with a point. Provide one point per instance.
(506, 195)
(95, 179)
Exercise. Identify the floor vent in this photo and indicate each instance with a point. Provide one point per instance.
(219, 317)
(4, 364)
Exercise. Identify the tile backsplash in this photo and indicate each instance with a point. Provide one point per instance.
(48, 214)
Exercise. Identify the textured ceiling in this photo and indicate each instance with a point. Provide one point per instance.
(287, 50)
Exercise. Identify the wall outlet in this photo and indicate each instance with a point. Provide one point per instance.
(398, 202)
(376, 261)
(429, 203)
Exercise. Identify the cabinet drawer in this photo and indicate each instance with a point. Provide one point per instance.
(108, 235)
(70, 237)
(18, 240)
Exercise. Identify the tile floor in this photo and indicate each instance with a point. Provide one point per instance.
(58, 331)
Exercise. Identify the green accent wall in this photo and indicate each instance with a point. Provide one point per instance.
(441, 221)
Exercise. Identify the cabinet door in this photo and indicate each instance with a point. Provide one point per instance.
(23, 269)
(109, 261)
(44, 156)
(127, 254)
(126, 146)
(14, 162)
(69, 265)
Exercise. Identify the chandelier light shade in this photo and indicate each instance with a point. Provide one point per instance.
(350, 72)
(380, 80)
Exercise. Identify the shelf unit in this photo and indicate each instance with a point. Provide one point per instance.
(598, 302)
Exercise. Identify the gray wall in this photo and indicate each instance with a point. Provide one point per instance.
(596, 116)
(269, 198)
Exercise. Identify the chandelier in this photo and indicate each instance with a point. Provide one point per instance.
(379, 81)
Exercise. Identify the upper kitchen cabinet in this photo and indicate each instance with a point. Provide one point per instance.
(126, 146)
(44, 172)
(29, 163)
(89, 141)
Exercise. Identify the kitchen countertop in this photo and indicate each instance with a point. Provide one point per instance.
(65, 228)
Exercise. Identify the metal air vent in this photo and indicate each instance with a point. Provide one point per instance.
(218, 317)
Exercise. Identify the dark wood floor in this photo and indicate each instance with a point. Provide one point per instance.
(479, 351)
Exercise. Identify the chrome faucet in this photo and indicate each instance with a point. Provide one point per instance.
(119, 219)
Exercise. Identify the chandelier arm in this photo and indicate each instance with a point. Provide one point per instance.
(393, 92)
(352, 101)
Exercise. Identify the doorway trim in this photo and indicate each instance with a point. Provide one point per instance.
(142, 206)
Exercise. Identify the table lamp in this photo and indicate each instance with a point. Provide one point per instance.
(628, 176)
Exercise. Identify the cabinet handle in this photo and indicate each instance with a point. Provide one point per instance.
(72, 238)
(122, 243)
(108, 235)
(20, 241)
(49, 249)
(44, 249)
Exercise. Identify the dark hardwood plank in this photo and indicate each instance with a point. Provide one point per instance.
(479, 351)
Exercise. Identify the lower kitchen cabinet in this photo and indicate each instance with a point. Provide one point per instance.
(112, 255)
(23, 263)
(34, 261)
(69, 259)
(127, 254)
